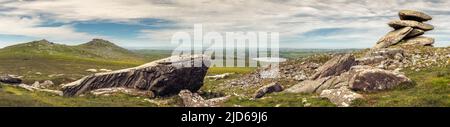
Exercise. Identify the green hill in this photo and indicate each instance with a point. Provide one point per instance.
(95, 49)
(39, 60)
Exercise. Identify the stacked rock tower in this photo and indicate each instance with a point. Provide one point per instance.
(408, 30)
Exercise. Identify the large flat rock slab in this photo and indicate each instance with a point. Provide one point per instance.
(162, 77)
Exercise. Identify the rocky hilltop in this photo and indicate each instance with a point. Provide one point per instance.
(344, 78)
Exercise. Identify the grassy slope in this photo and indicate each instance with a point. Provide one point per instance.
(432, 89)
(12, 96)
(49, 59)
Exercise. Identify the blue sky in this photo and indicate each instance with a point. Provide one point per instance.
(151, 23)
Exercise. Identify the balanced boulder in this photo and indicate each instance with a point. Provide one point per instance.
(162, 77)
(413, 15)
(409, 27)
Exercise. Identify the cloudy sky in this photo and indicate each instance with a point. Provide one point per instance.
(147, 23)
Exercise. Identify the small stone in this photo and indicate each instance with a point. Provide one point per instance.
(92, 70)
(270, 88)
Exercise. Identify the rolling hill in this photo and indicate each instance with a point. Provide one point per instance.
(95, 49)
(39, 60)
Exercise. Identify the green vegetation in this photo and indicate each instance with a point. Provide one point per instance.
(12, 96)
(432, 89)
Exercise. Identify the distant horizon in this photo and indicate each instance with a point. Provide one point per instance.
(170, 47)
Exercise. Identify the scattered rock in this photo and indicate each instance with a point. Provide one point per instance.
(335, 66)
(36, 84)
(27, 87)
(342, 97)
(92, 70)
(38, 73)
(55, 75)
(11, 79)
(32, 88)
(105, 70)
(194, 100)
(163, 77)
(393, 37)
(414, 15)
(270, 88)
(218, 77)
(397, 24)
(43, 85)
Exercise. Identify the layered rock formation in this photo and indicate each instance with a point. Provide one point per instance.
(162, 77)
(408, 30)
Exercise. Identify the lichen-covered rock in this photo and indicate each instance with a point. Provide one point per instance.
(413, 15)
(307, 86)
(194, 100)
(162, 77)
(397, 24)
(369, 79)
(335, 66)
(387, 52)
(43, 85)
(270, 88)
(392, 37)
(342, 97)
(421, 41)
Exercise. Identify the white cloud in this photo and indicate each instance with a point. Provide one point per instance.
(291, 18)
(29, 26)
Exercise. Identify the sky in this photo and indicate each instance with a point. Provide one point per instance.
(151, 23)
